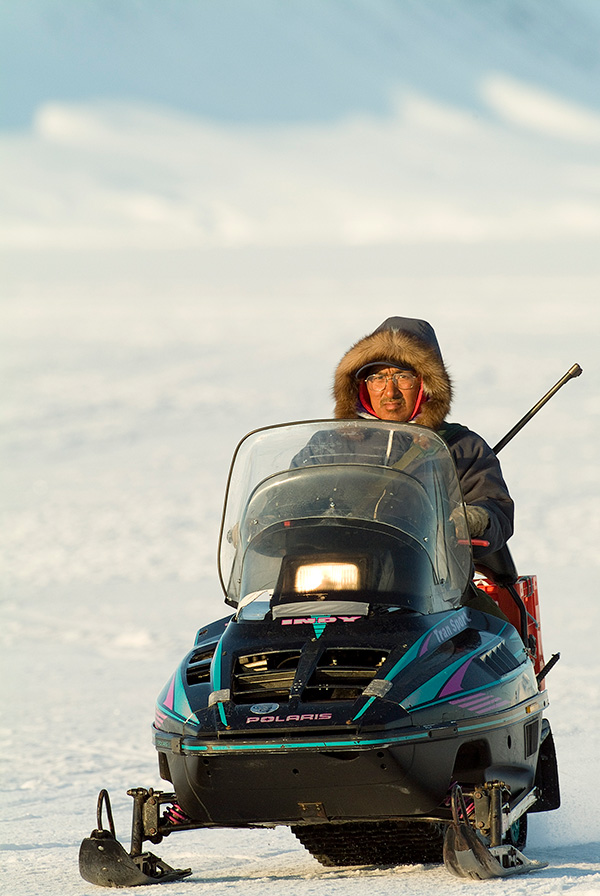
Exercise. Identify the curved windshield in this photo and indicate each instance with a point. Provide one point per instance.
(356, 512)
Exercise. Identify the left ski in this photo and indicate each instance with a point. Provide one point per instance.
(105, 862)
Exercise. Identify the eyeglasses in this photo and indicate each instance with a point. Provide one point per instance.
(401, 380)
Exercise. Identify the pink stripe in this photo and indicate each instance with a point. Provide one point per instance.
(169, 699)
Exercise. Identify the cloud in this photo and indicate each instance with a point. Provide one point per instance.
(537, 110)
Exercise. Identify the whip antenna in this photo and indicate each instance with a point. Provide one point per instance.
(574, 371)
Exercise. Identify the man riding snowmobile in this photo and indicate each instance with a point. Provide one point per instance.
(394, 718)
(398, 373)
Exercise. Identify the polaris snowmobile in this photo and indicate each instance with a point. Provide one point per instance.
(365, 690)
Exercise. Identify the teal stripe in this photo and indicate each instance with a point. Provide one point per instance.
(222, 714)
(216, 666)
(498, 722)
(409, 656)
(459, 694)
(172, 715)
(413, 652)
(435, 684)
(220, 748)
(181, 704)
(511, 717)
(364, 709)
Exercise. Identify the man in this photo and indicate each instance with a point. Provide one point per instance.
(398, 373)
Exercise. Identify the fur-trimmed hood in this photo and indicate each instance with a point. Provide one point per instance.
(407, 342)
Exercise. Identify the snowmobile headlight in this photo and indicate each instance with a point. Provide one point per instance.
(327, 577)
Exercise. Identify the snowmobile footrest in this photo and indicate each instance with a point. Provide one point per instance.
(104, 862)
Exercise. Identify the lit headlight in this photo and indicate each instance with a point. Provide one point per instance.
(327, 577)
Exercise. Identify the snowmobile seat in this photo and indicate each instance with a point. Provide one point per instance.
(499, 566)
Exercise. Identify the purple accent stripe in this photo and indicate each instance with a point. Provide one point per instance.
(480, 702)
(425, 646)
(473, 699)
(454, 683)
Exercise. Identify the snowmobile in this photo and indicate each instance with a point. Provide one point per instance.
(366, 689)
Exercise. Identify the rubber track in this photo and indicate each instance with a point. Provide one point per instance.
(373, 843)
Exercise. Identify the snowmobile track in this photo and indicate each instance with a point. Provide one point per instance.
(373, 843)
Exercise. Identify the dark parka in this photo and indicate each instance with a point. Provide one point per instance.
(406, 342)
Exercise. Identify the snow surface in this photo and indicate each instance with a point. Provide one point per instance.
(146, 247)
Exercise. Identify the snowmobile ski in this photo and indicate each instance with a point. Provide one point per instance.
(466, 855)
(104, 861)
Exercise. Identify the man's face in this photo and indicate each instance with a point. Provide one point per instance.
(393, 402)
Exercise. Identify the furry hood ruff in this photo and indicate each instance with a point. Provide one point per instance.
(407, 342)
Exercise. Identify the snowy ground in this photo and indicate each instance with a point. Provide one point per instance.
(145, 249)
(118, 445)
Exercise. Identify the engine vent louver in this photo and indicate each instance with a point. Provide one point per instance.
(198, 670)
(342, 673)
(264, 676)
(499, 660)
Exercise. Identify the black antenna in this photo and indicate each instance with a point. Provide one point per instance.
(574, 371)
